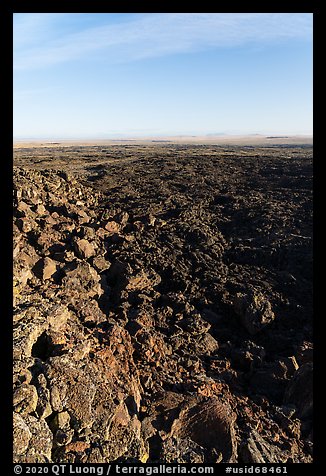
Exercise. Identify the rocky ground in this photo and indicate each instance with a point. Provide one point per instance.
(163, 304)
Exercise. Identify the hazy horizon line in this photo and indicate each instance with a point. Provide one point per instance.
(124, 136)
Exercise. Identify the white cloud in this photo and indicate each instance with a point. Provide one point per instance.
(40, 41)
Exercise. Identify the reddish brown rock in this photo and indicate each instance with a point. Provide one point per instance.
(143, 280)
(49, 267)
(41, 210)
(25, 399)
(26, 224)
(32, 440)
(112, 227)
(84, 248)
(210, 424)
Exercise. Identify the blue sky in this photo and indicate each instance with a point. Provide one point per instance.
(80, 75)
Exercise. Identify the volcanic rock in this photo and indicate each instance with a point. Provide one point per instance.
(257, 450)
(300, 391)
(210, 424)
(48, 268)
(135, 290)
(84, 248)
(32, 441)
(25, 399)
(254, 310)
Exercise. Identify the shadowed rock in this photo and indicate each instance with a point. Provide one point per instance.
(210, 425)
(300, 391)
(254, 310)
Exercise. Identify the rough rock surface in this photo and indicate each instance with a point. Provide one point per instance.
(163, 314)
(254, 310)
